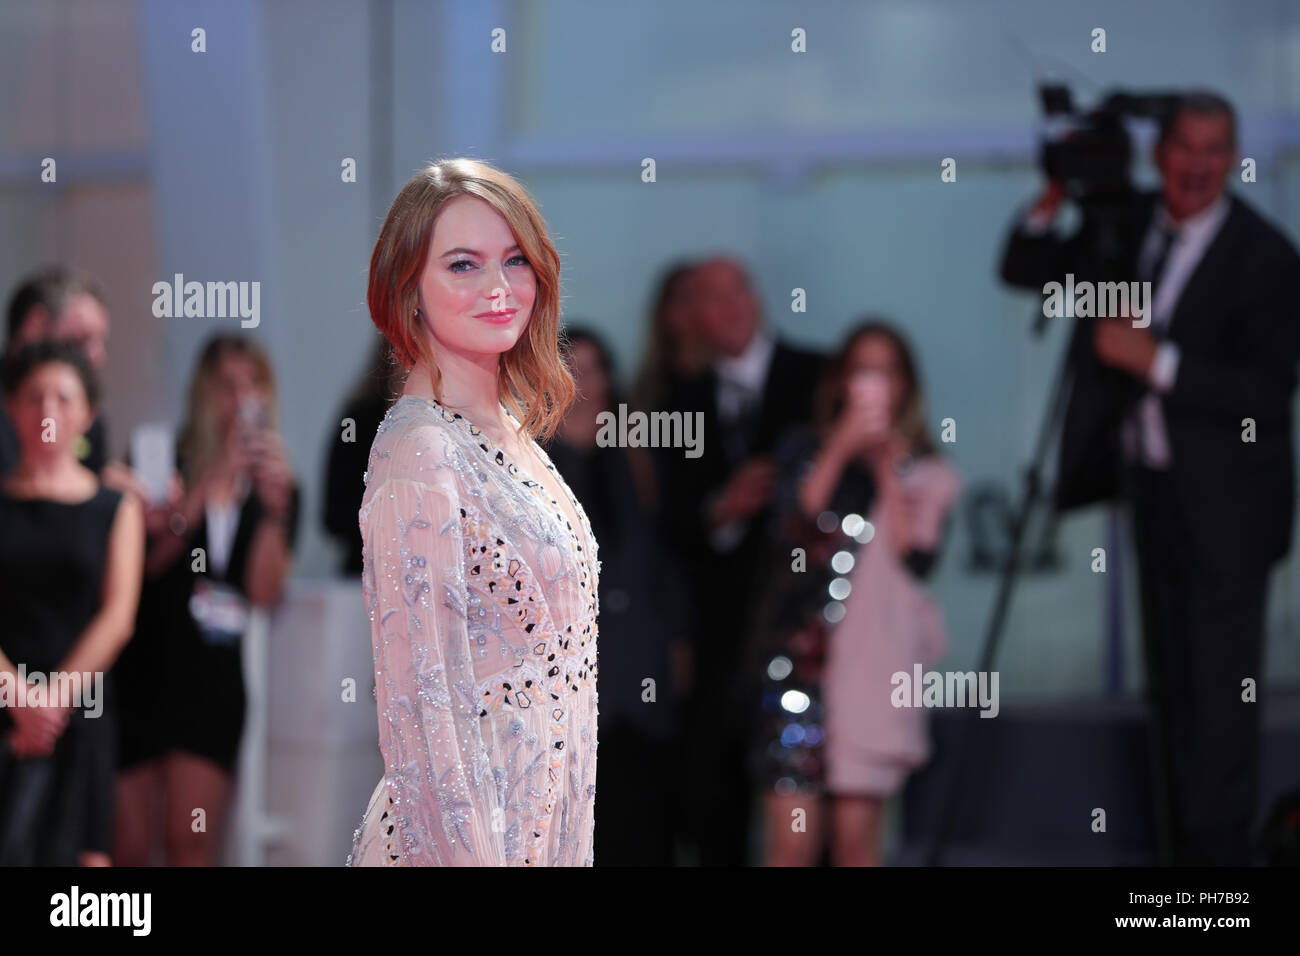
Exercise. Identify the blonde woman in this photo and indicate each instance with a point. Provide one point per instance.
(480, 568)
(221, 544)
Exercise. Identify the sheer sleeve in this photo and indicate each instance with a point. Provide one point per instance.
(932, 488)
(435, 763)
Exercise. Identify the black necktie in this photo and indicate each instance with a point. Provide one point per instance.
(748, 422)
(1165, 242)
(1167, 237)
(740, 431)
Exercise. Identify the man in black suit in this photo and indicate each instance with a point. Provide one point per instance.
(756, 387)
(1190, 420)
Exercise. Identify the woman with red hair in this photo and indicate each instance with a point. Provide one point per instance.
(480, 569)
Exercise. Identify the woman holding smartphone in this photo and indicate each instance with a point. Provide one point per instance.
(865, 495)
(220, 544)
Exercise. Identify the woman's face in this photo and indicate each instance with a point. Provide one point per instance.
(234, 384)
(589, 374)
(50, 411)
(477, 290)
(875, 356)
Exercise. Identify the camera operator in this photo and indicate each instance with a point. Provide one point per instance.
(1189, 419)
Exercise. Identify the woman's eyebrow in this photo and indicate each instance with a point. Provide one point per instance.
(472, 252)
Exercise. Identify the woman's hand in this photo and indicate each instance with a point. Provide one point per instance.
(120, 476)
(37, 728)
(157, 517)
(888, 453)
(860, 429)
(272, 476)
(235, 458)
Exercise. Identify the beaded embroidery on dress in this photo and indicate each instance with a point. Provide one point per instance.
(483, 602)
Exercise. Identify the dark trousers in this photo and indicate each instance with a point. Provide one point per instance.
(715, 793)
(1203, 635)
(634, 811)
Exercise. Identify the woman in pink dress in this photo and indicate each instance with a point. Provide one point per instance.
(480, 569)
(860, 510)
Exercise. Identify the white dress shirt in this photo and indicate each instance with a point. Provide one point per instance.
(223, 522)
(740, 381)
(1193, 237)
(742, 378)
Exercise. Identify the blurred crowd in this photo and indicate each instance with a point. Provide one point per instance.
(725, 578)
(141, 570)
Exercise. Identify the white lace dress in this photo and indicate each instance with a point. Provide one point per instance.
(482, 597)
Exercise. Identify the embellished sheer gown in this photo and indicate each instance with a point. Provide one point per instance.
(481, 586)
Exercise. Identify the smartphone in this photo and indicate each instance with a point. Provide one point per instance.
(153, 456)
(252, 417)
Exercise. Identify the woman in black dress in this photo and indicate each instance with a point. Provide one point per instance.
(70, 566)
(220, 545)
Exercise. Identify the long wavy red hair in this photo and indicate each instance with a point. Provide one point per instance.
(534, 382)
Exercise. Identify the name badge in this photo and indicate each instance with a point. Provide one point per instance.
(221, 612)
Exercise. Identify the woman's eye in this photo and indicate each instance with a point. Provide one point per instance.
(513, 260)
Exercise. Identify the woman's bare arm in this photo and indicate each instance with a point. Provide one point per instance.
(166, 546)
(269, 561)
(110, 629)
(823, 476)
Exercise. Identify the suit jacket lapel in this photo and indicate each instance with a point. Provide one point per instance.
(772, 383)
(1200, 284)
